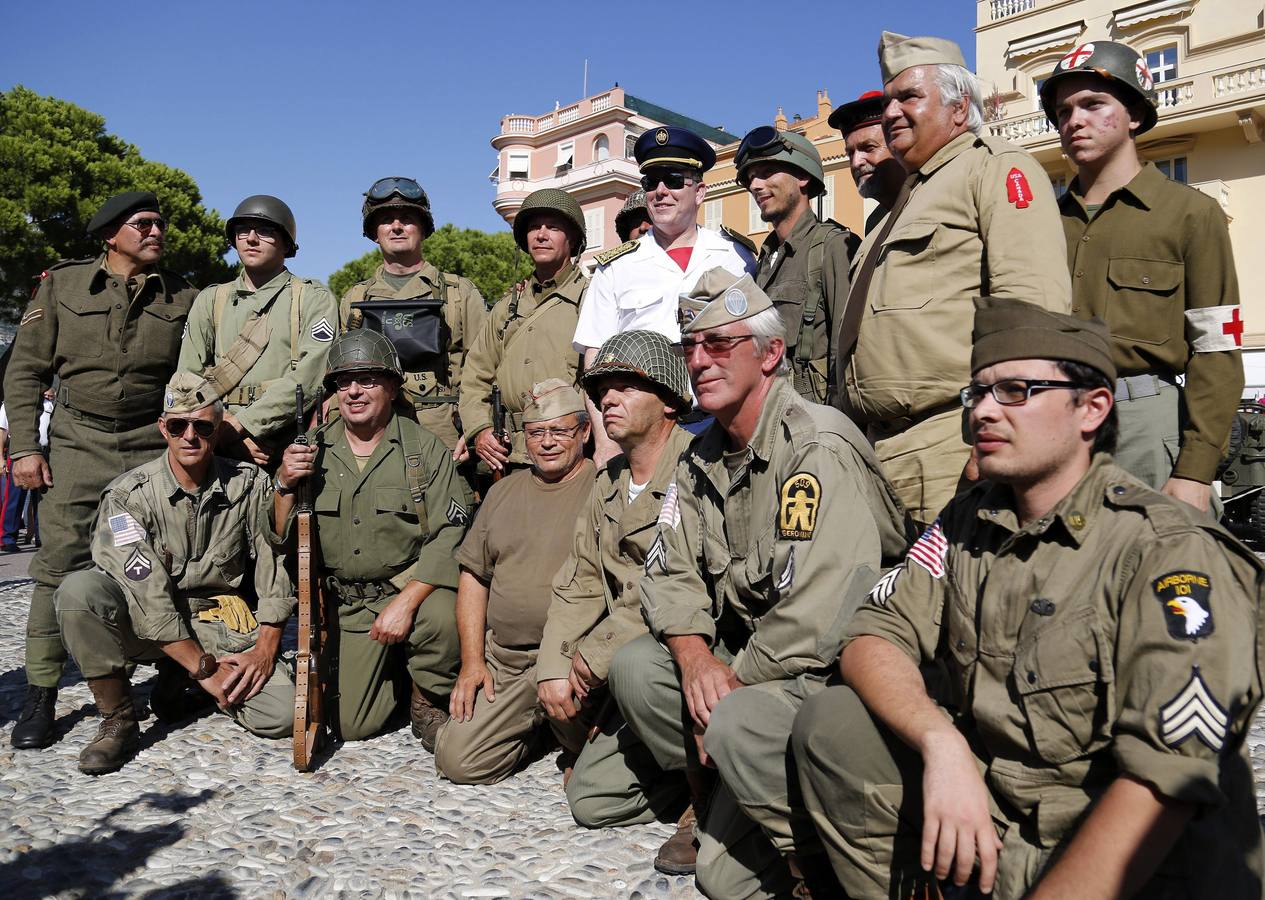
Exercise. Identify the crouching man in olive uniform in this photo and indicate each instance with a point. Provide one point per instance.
(390, 512)
(175, 540)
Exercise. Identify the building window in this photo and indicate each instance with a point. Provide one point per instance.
(826, 202)
(1036, 94)
(518, 165)
(1174, 168)
(566, 157)
(594, 228)
(711, 214)
(754, 223)
(601, 148)
(1059, 183)
(1163, 64)
(630, 141)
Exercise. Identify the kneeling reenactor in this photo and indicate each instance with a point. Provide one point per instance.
(390, 512)
(175, 540)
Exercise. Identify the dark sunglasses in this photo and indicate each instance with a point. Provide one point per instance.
(201, 427)
(405, 187)
(759, 142)
(672, 179)
(145, 226)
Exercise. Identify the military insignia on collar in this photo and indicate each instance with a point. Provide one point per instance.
(1077, 57)
(323, 331)
(670, 511)
(797, 510)
(1194, 711)
(1186, 598)
(138, 566)
(125, 530)
(457, 513)
(735, 302)
(661, 136)
(886, 586)
(787, 578)
(931, 549)
(33, 316)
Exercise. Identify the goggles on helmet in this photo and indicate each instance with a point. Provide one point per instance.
(407, 188)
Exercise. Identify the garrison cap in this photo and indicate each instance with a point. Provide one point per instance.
(187, 393)
(551, 399)
(1013, 329)
(673, 145)
(647, 355)
(719, 298)
(120, 206)
(1114, 62)
(864, 110)
(898, 52)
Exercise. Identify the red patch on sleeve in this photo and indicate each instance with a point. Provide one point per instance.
(1017, 190)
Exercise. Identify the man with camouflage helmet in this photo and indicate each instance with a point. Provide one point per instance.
(185, 571)
(639, 383)
(1151, 257)
(803, 265)
(109, 329)
(526, 339)
(396, 215)
(256, 338)
(633, 219)
(390, 512)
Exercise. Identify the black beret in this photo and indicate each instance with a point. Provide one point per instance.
(670, 145)
(120, 206)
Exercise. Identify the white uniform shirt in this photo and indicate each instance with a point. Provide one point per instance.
(641, 289)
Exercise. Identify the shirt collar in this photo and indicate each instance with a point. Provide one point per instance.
(948, 153)
(1144, 189)
(564, 275)
(221, 470)
(1074, 515)
(803, 227)
(103, 271)
(275, 283)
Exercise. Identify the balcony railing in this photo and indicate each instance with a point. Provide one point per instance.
(602, 102)
(520, 125)
(1239, 81)
(564, 116)
(1021, 129)
(1175, 93)
(1000, 9)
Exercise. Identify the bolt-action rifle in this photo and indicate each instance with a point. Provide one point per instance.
(498, 426)
(309, 730)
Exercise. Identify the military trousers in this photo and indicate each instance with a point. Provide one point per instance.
(83, 460)
(93, 613)
(504, 732)
(924, 462)
(373, 679)
(1150, 435)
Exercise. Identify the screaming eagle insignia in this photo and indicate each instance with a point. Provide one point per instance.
(1186, 598)
(797, 511)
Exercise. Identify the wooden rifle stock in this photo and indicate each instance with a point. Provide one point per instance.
(498, 425)
(308, 688)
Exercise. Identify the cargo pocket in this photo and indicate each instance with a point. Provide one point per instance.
(84, 323)
(162, 327)
(231, 564)
(1145, 305)
(907, 275)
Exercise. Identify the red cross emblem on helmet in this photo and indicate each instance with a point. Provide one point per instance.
(1077, 57)
(1144, 75)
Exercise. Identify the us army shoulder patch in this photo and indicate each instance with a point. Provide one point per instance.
(323, 331)
(886, 586)
(125, 530)
(931, 549)
(658, 556)
(797, 510)
(1194, 711)
(609, 256)
(33, 315)
(670, 511)
(138, 566)
(457, 514)
(1018, 191)
(1186, 598)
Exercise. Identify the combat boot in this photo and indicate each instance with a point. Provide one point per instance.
(119, 734)
(426, 718)
(34, 728)
(679, 853)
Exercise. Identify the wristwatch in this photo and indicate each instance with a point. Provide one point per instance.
(281, 488)
(207, 666)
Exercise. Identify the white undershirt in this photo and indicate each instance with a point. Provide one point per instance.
(634, 490)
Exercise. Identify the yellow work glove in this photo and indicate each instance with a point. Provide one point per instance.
(233, 612)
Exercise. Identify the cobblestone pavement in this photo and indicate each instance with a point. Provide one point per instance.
(207, 810)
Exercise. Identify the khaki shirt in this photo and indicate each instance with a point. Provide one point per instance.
(777, 544)
(369, 526)
(114, 349)
(1117, 634)
(969, 229)
(596, 605)
(1156, 251)
(165, 546)
(524, 340)
(464, 314)
(271, 380)
(784, 271)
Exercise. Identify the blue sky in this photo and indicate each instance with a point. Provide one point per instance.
(313, 101)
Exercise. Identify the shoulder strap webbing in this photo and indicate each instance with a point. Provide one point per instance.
(296, 305)
(812, 294)
(414, 471)
(244, 352)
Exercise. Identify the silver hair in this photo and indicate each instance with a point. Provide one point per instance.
(955, 83)
(216, 407)
(765, 327)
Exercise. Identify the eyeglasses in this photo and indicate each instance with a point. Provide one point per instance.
(405, 187)
(535, 435)
(1013, 391)
(672, 179)
(263, 231)
(714, 344)
(146, 225)
(364, 379)
(763, 141)
(177, 427)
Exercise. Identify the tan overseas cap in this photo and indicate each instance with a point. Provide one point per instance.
(1013, 329)
(719, 298)
(551, 399)
(186, 393)
(898, 52)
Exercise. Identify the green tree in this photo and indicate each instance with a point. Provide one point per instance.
(57, 166)
(492, 261)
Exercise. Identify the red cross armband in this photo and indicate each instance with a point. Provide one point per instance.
(1214, 328)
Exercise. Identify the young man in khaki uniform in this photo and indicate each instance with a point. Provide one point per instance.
(1152, 258)
(1099, 647)
(390, 512)
(803, 265)
(508, 561)
(745, 602)
(526, 339)
(178, 542)
(979, 217)
(255, 339)
(396, 216)
(639, 382)
(109, 329)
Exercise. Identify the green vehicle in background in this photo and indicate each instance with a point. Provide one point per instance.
(1242, 475)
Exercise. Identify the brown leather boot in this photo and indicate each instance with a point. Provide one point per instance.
(426, 718)
(679, 853)
(119, 735)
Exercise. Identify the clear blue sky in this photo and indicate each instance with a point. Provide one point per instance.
(313, 101)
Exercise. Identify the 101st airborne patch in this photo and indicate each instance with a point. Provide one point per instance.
(1186, 598)
(797, 511)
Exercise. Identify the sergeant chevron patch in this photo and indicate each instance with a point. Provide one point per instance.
(886, 585)
(787, 578)
(457, 513)
(138, 566)
(323, 331)
(658, 555)
(1194, 711)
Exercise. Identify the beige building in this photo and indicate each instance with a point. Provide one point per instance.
(1207, 58)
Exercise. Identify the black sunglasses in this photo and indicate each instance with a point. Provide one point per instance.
(672, 179)
(201, 427)
(405, 187)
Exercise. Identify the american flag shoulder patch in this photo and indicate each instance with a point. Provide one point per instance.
(125, 530)
(670, 512)
(931, 550)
